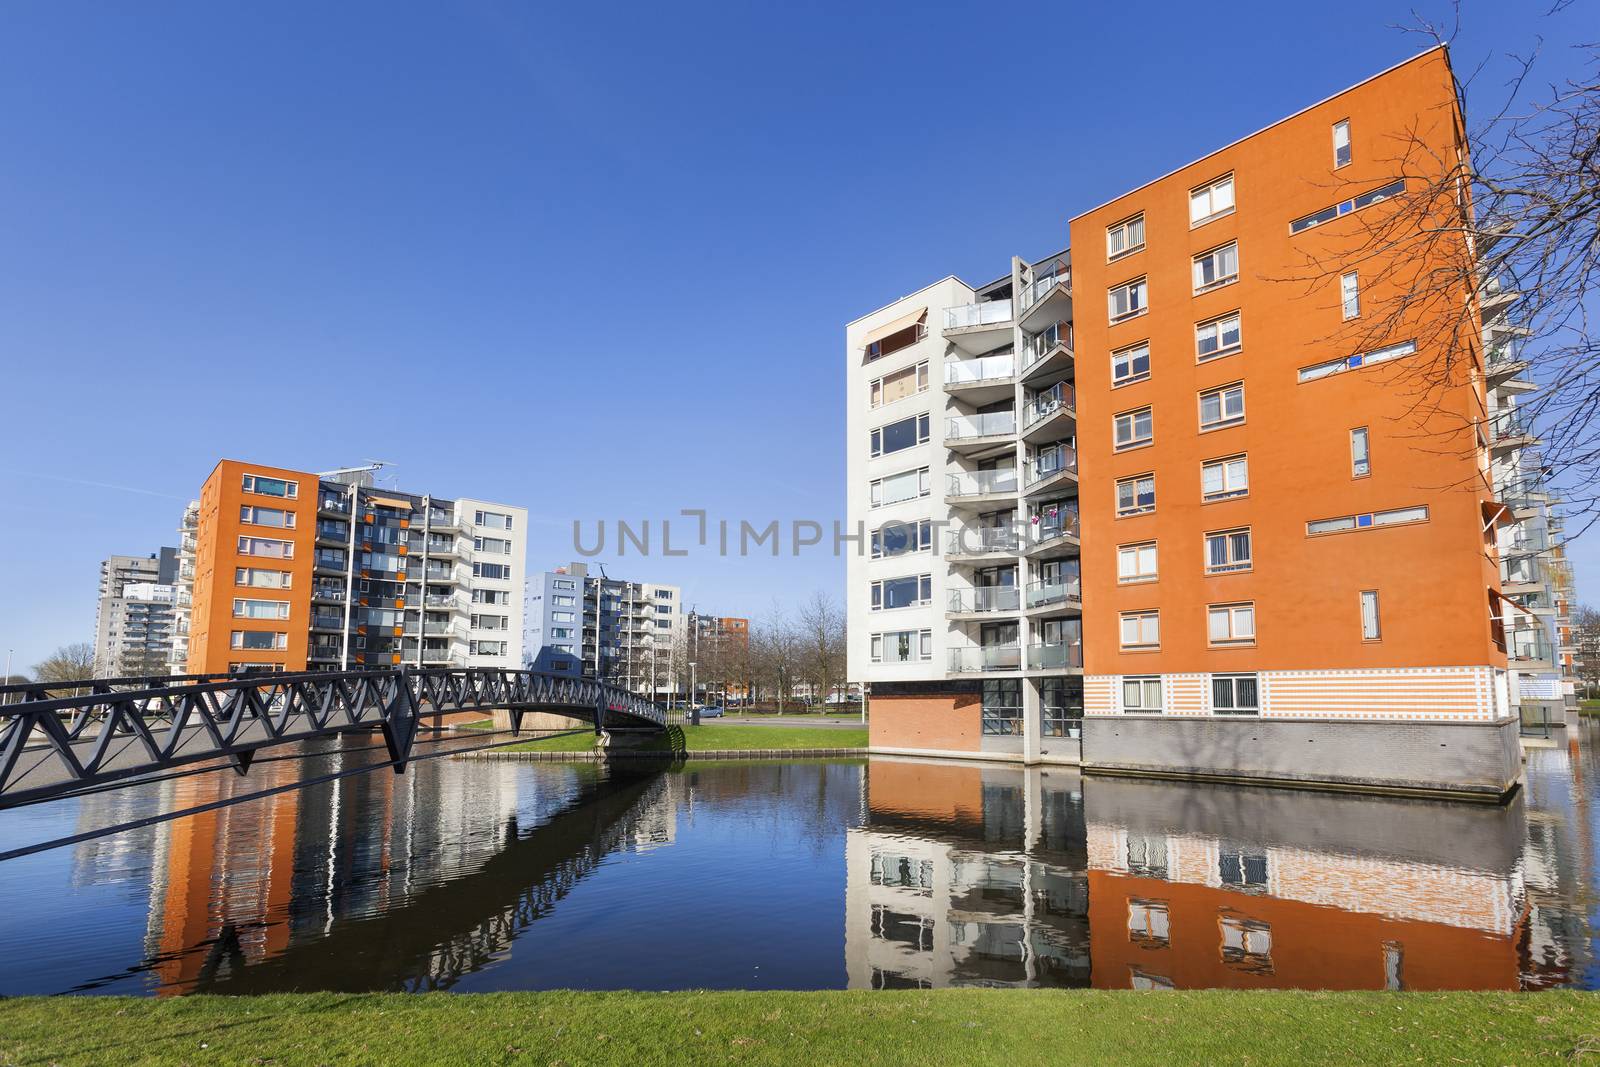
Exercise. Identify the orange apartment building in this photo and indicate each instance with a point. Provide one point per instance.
(1240, 555)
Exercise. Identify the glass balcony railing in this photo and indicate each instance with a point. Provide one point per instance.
(985, 658)
(1043, 287)
(1528, 646)
(330, 502)
(977, 540)
(1055, 591)
(439, 600)
(995, 368)
(328, 593)
(1505, 352)
(1051, 461)
(334, 560)
(1508, 424)
(987, 424)
(986, 598)
(1059, 397)
(979, 483)
(1048, 527)
(339, 531)
(988, 313)
(1055, 655)
(327, 622)
(1046, 341)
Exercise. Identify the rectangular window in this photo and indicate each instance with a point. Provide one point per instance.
(907, 485)
(1131, 364)
(263, 486)
(493, 520)
(1370, 630)
(1235, 694)
(492, 648)
(1124, 237)
(1341, 143)
(1136, 495)
(1334, 366)
(1141, 694)
(260, 640)
(1219, 337)
(1133, 428)
(564, 601)
(266, 547)
(898, 436)
(260, 609)
(1350, 295)
(1216, 268)
(899, 385)
(1345, 207)
(1395, 517)
(1228, 551)
(1212, 200)
(1127, 300)
(277, 517)
(1136, 563)
(902, 646)
(908, 592)
(563, 616)
(1360, 456)
(1141, 629)
(902, 538)
(1222, 407)
(492, 596)
(1221, 479)
(262, 579)
(1231, 624)
(564, 583)
(494, 546)
(491, 570)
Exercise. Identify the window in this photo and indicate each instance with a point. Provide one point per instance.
(1341, 143)
(1234, 694)
(1211, 200)
(283, 520)
(259, 640)
(492, 596)
(1131, 364)
(260, 609)
(494, 546)
(1240, 869)
(1345, 207)
(1216, 268)
(902, 646)
(1125, 237)
(1370, 630)
(490, 648)
(1228, 550)
(1361, 522)
(1350, 295)
(262, 546)
(262, 579)
(1141, 629)
(1219, 337)
(1221, 479)
(564, 583)
(1136, 495)
(907, 592)
(1133, 428)
(898, 436)
(493, 520)
(1001, 709)
(263, 486)
(1360, 456)
(1127, 300)
(1231, 624)
(907, 485)
(1222, 407)
(899, 385)
(1136, 563)
(1334, 366)
(491, 570)
(491, 622)
(1246, 944)
(561, 633)
(1141, 694)
(902, 538)
(1147, 923)
(563, 616)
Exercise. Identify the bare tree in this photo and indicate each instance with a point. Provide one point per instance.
(1586, 635)
(69, 663)
(821, 640)
(774, 654)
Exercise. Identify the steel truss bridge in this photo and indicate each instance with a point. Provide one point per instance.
(59, 737)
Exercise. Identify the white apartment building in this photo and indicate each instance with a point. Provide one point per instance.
(624, 632)
(134, 617)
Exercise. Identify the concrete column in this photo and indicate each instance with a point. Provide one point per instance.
(1032, 720)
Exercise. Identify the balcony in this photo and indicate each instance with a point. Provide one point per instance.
(1504, 359)
(323, 621)
(962, 432)
(337, 533)
(1050, 468)
(441, 546)
(1054, 593)
(1053, 534)
(328, 594)
(1043, 293)
(982, 380)
(1048, 352)
(981, 542)
(1056, 656)
(984, 600)
(441, 601)
(1529, 647)
(981, 487)
(440, 519)
(1051, 412)
(979, 658)
(1508, 431)
(330, 504)
(329, 561)
(975, 327)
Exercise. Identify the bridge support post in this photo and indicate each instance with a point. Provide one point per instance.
(516, 721)
(400, 722)
(600, 715)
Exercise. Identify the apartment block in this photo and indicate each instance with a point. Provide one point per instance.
(1140, 505)
(624, 632)
(295, 570)
(135, 615)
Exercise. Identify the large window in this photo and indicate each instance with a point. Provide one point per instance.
(902, 646)
(1218, 337)
(1231, 624)
(1235, 694)
(1136, 495)
(494, 546)
(1211, 200)
(898, 436)
(1396, 517)
(1222, 407)
(1136, 563)
(267, 547)
(493, 520)
(260, 609)
(1141, 694)
(277, 517)
(1133, 428)
(1228, 551)
(1125, 237)
(491, 570)
(907, 485)
(1148, 924)
(902, 538)
(1345, 207)
(1141, 629)
(1060, 708)
(1341, 143)
(1334, 366)
(1127, 300)
(261, 578)
(1221, 479)
(493, 622)
(264, 486)
(907, 592)
(1216, 268)
(260, 640)
(1002, 706)
(1131, 364)
(899, 385)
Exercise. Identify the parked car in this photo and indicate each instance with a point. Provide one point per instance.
(712, 712)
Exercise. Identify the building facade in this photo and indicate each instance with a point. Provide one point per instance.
(1179, 526)
(295, 570)
(627, 633)
(135, 615)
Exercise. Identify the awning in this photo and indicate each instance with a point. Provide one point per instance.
(1495, 513)
(389, 502)
(904, 322)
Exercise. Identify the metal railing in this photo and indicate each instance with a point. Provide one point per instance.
(988, 313)
(986, 598)
(1508, 424)
(1051, 461)
(994, 368)
(1059, 397)
(1055, 655)
(985, 658)
(979, 483)
(1528, 646)
(1053, 592)
(1064, 524)
(981, 540)
(1040, 288)
(987, 424)
(1056, 335)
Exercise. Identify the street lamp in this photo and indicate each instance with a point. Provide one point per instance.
(691, 683)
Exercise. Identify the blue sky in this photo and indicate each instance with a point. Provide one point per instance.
(625, 236)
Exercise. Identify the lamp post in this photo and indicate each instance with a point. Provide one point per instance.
(691, 683)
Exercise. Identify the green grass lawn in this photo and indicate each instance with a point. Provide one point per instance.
(717, 736)
(966, 1026)
(1589, 707)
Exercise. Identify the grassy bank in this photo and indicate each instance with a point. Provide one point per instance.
(713, 737)
(1589, 707)
(968, 1026)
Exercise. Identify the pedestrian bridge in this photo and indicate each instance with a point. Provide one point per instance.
(59, 737)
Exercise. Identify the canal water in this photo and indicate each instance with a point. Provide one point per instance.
(472, 874)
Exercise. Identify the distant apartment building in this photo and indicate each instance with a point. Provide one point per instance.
(624, 632)
(719, 645)
(1176, 528)
(295, 570)
(135, 618)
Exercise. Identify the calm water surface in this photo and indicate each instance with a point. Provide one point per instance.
(479, 875)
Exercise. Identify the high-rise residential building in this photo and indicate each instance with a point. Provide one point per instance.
(1140, 505)
(183, 601)
(295, 570)
(134, 620)
(624, 632)
(719, 646)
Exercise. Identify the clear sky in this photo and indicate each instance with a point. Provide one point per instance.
(593, 259)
